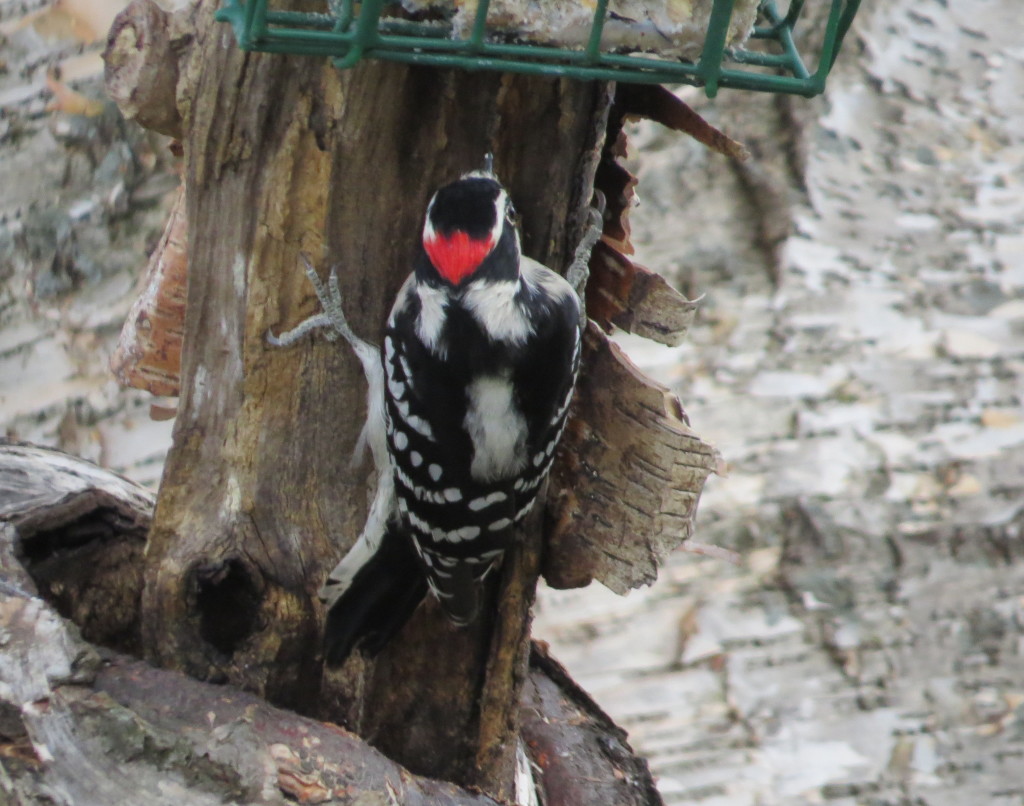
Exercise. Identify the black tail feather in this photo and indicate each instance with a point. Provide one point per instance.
(380, 599)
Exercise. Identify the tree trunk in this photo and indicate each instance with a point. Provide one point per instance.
(286, 155)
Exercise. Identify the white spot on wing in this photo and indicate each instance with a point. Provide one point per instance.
(465, 533)
(418, 424)
(485, 501)
(522, 512)
(435, 472)
(401, 440)
(418, 523)
(498, 525)
(452, 495)
(416, 458)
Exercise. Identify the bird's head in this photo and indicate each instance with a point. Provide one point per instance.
(470, 231)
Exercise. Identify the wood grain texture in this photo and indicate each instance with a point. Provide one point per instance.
(80, 536)
(148, 352)
(286, 155)
(628, 479)
(84, 726)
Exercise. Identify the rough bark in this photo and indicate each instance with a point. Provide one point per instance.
(619, 528)
(581, 755)
(80, 725)
(82, 532)
(287, 155)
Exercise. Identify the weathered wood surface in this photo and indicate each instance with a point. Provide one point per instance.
(286, 155)
(80, 725)
(141, 63)
(629, 477)
(81, 532)
(81, 731)
(581, 756)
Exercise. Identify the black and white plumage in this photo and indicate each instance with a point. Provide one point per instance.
(479, 357)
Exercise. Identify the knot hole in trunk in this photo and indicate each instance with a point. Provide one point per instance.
(228, 599)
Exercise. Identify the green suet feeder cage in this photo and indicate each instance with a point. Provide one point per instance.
(464, 34)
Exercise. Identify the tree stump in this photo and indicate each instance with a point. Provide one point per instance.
(286, 156)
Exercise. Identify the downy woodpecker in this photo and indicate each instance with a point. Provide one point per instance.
(480, 356)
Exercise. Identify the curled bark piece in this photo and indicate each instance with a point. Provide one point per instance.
(654, 102)
(148, 351)
(621, 293)
(141, 66)
(618, 186)
(628, 478)
(635, 299)
(42, 488)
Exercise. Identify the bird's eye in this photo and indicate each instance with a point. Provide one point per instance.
(511, 214)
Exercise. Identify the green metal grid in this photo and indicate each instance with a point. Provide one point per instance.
(353, 31)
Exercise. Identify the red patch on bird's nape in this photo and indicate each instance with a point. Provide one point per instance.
(456, 256)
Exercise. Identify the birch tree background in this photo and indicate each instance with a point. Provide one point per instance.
(858, 359)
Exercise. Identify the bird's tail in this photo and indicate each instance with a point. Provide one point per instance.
(371, 594)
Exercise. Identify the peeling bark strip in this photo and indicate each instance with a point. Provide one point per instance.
(626, 295)
(148, 352)
(628, 479)
(622, 293)
(657, 103)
